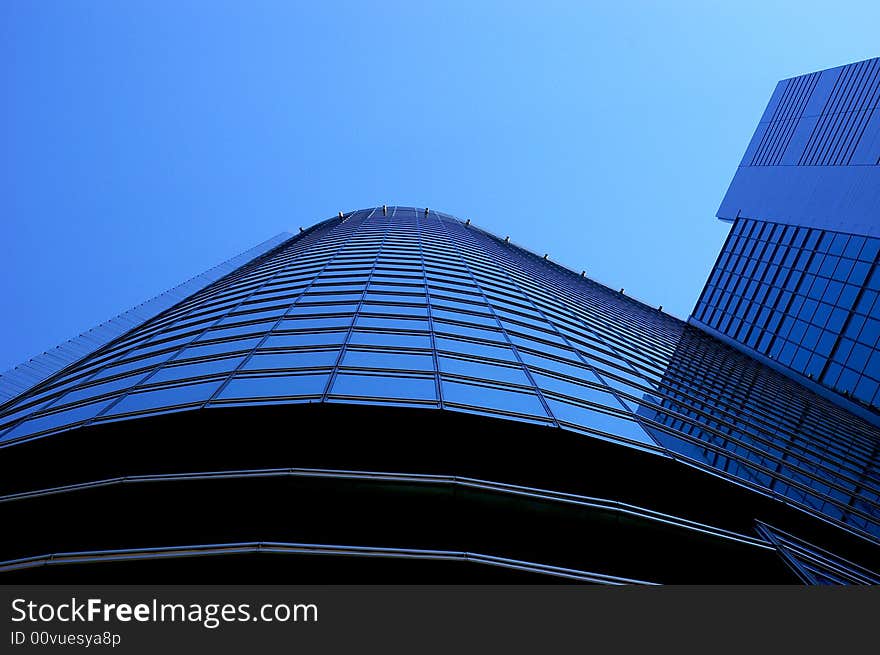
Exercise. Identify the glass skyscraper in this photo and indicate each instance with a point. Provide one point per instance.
(394, 394)
(797, 281)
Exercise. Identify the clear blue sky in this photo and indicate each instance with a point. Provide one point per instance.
(143, 142)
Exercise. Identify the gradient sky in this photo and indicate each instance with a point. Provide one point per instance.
(144, 142)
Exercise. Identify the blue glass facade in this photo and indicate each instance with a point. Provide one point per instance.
(37, 369)
(498, 374)
(804, 297)
(813, 160)
(755, 424)
(399, 307)
(796, 280)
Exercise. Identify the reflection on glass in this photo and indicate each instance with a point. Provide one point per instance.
(99, 389)
(592, 420)
(57, 420)
(391, 323)
(483, 370)
(276, 386)
(195, 369)
(304, 339)
(816, 456)
(388, 360)
(252, 316)
(574, 390)
(384, 386)
(236, 331)
(292, 359)
(468, 331)
(236, 345)
(165, 397)
(391, 339)
(475, 349)
(395, 310)
(314, 323)
(132, 365)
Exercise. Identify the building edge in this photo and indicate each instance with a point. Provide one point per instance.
(39, 368)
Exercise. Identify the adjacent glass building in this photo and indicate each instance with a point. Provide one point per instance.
(395, 395)
(796, 282)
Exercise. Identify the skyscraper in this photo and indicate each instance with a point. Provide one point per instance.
(396, 385)
(796, 282)
(395, 394)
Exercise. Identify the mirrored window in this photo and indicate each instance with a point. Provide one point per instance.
(388, 360)
(492, 398)
(304, 339)
(592, 420)
(276, 386)
(390, 339)
(483, 370)
(96, 390)
(385, 386)
(196, 369)
(292, 359)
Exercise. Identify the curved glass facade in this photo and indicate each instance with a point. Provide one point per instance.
(411, 308)
(398, 307)
(805, 298)
(18, 380)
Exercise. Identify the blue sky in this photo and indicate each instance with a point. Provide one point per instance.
(144, 142)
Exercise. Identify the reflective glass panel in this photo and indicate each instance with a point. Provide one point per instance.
(280, 386)
(385, 386)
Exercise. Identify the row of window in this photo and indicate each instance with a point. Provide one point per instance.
(415, 309)
(811, 451)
